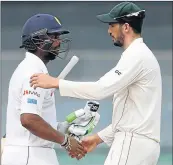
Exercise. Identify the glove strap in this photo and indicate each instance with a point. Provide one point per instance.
(65, 140)
(66, 143)
(75, 136)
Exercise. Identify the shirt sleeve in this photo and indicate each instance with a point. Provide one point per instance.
(125, 73)
(31, 99)
(107, 135)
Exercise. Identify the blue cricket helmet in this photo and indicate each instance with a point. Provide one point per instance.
(36, 30)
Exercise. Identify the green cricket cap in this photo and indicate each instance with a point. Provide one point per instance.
(124, 9)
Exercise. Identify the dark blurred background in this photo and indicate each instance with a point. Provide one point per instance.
(92, 44)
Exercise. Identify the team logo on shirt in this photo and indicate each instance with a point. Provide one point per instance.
(31, 101)
(118, 72)
(28, 92)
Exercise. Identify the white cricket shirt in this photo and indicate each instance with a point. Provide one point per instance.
(24, 99)
(136, 87)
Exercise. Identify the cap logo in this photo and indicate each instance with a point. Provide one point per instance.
(135, 14)
(57, 20)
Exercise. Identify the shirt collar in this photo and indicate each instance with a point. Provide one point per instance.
(36, 61)
(134, 43)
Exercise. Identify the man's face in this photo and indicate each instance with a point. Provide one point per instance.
(52, 48)
(115, 30)
(55, 45)
(56, 41)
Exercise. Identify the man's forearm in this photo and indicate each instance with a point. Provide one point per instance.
(83, 90)
(37, 126)
(98, 139)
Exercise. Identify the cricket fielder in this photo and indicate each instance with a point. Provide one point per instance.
(31, 128)
(136, 86)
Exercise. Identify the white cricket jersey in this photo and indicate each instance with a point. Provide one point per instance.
(24, 99)
(136, 87)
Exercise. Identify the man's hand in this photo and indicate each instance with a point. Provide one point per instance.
(75, 148)
(43, 81)
(91, 142)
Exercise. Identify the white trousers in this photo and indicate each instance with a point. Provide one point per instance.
(132, 149)
(19, 155)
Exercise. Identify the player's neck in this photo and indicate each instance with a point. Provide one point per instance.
(45, 61)
(129, 40)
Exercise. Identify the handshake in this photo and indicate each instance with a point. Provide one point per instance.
(77, 125)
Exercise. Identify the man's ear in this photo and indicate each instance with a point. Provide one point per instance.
(126, 27)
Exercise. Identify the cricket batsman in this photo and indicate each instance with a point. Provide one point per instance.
(77, 124)
(135, 85)
(31, 128)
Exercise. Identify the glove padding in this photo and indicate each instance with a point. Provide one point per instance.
(81, 122)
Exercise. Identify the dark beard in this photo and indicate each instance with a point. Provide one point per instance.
(120, 40)
(50, 56)
(118, 43)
